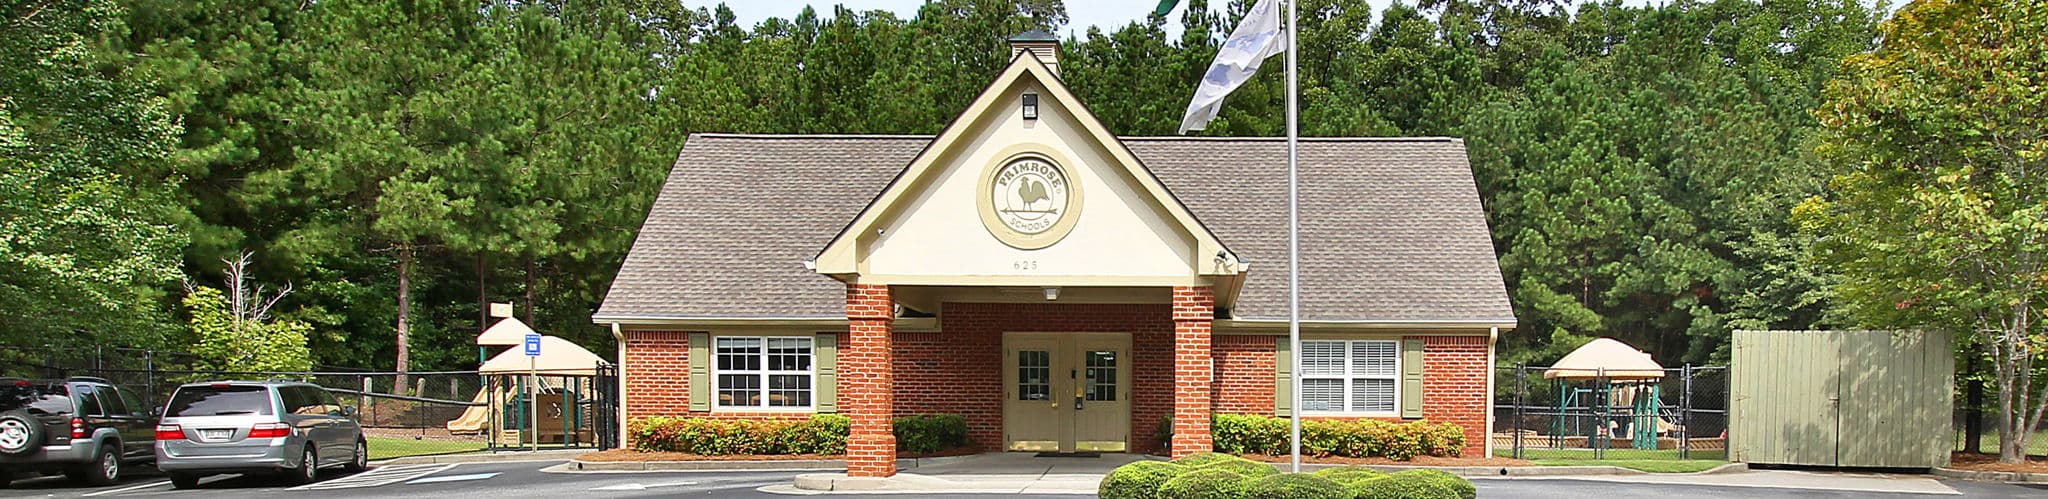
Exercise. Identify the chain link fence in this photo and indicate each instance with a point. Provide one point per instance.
(1682, 414)
(402, 414)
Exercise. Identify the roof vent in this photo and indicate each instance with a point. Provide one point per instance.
(1041, 44)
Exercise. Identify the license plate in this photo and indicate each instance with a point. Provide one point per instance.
(216, 434)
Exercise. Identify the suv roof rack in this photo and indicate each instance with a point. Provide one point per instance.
(89, 378)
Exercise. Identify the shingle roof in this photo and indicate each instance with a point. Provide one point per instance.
(1392, 229)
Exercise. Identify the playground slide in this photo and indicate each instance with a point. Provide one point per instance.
(472, 420)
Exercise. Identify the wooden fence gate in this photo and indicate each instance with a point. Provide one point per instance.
(1860, 399)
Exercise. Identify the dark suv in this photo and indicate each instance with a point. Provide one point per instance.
(84, 427)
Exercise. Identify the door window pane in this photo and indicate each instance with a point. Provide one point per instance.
(1034, 375)
(1101, 369)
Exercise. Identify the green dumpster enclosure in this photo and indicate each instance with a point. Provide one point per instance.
(1853, 399)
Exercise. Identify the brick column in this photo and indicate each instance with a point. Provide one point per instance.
(1194, 307)
(866, 367)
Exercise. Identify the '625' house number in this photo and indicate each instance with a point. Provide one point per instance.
(1024, 265)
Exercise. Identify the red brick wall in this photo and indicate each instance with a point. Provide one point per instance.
(866, 378)
(657, 373)
(1245, 367)
(959, 370)
(1194, 309)
(1454, 373)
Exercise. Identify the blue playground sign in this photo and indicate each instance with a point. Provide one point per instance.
(532, 344)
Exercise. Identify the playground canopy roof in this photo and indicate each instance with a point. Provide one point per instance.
(558, 357)
(1606, 357)
(506, 332)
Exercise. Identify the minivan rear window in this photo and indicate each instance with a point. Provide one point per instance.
(37, 398)
(219, 401)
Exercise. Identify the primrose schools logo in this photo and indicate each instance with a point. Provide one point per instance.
(1030, 195)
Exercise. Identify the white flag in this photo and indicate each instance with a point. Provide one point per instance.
(1256, 38)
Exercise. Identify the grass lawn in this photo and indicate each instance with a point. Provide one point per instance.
(387, 448)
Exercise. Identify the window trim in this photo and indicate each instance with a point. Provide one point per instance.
(1301, 374)
(718, 405)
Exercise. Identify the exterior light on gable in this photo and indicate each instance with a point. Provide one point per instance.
(1052, 293)
(1030, 106)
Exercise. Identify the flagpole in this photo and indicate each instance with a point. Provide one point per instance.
(1293, 241)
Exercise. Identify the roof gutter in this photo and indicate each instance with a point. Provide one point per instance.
(1490, 324)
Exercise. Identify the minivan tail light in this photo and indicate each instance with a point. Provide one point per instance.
(77, 428)
(169, 432)
(270, 430)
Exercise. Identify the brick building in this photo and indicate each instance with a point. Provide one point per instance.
(1063, 288)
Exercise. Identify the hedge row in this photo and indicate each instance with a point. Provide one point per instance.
(821, 434)
(1253, 434)
(1223, 476)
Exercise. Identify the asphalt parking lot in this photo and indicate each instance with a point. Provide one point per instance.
(526, 479)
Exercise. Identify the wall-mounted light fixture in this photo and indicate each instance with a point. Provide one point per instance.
(1031, 107)
(1052, 293)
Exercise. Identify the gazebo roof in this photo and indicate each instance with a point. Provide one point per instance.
(558, 357)
(1609, 358)
(507, 332)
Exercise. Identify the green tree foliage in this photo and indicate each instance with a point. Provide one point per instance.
(1939, 219)
(227, 341)
(406, 162)
(85, 249)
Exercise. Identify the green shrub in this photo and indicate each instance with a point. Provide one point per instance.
(1295, 486)
(1249, 434)
(1242, 466)
(1207, 458)
(925, 433)
(1253, 434)
(1139, 480)
(1454, 483)
(1400, 487)
(1347, 474)
(1204, 483)
(821, 434)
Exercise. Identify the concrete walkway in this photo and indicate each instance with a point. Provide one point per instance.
(997, 473)
(1782, 479)
(1023, 473)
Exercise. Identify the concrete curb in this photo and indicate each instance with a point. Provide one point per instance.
(1537, 471)
(494, 457)
(578, 466)
(1991, 476)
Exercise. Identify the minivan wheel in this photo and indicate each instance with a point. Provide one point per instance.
(362, 460)
(308, 470)
(184, 480)
(105, 468)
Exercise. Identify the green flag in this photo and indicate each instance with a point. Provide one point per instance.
(1165, 6)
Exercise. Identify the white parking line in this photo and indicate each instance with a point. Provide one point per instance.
(378, 477)
(128, 489)
(453, 478)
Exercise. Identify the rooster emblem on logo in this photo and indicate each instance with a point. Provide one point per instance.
(1032, 191)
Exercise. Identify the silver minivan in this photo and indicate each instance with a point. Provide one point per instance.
(284, 427)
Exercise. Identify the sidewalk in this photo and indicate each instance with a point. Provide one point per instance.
(1018, 473)
(1780, 479)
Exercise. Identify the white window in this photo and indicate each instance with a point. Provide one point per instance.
(769, 372)
(1350, 377)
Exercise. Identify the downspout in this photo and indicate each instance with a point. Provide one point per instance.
(620, 338)
(1492, 338)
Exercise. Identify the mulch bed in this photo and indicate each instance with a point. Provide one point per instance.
(1989, 462)
(1381, 461)
(629, 455)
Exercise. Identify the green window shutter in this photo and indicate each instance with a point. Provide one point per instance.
(700, 372)
(826, 359)
(1283, 378)
(1411, 378)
